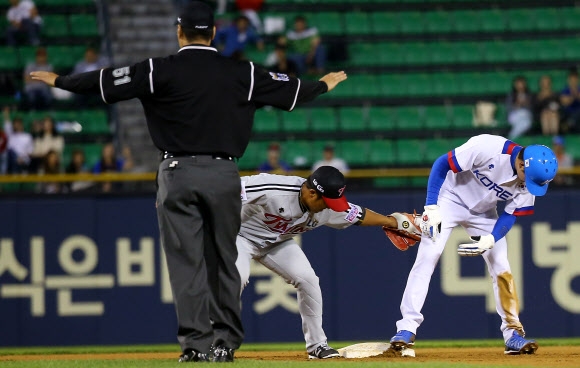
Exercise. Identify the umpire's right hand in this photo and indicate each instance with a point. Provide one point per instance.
(333, 79)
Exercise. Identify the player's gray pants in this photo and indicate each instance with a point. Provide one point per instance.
(198, 208)
(454, 214)
(289, 261)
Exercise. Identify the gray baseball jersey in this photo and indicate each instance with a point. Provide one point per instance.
(271, 210)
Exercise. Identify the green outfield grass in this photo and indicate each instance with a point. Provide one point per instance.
(169, 348)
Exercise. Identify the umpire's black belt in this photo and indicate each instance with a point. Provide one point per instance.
(215, 156)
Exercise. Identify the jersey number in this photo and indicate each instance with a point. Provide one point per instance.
(122, 75)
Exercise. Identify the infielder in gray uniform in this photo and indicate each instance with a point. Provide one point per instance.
(276, 208)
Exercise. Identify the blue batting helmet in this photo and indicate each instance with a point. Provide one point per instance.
(540, 167)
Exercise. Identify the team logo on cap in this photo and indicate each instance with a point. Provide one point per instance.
(341, 190)
(202, 27)
(318, 186)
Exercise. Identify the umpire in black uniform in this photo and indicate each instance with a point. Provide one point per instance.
(199, 108)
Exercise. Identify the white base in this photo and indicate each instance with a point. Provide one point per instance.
(369, 349)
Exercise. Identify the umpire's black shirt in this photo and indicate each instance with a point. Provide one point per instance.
(196, 101)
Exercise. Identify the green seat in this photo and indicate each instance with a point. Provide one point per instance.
(411, 22)
(255, 154)
(571, 51)
(328, 23)
(323, 120)
(443, 53)
(463, 116)
(551, 50)
(295, 121)
(65, 57)
(437, 118)
(362, 54)
(255, 55)
(569, 18)
(358, 23)
(355, 153)
(493, 21)
(468, 52)
(55, 25)
(573, 146)
(408, 118)
(299, 154)
(366, 85)
(381, 153)
(419, 181)
(496, 52)
(549, 20)
(317, 149)
(352, 119)
(94, 122)
(524, 51)
(388, 54)
(8, 58)
(382, 119)
(434, 148)
(416, 53)
(385, 23)
(466, 21)
(84, 25)
(438, 22)
(445, 84)
(419, 85)
(266, 121)
(520, 20)
(27, 54)
(409, 152)
(392, 85)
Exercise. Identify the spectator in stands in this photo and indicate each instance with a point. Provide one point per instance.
(565, 161)
(519, 107)
(49, 141)
(250, 9)
(3, 152)
(570, 99)
(50, 166)
(547, 106)
(273, 163)
(38, 93)
(328, 159)
(109, 163)
(281, 63)
(24, 21)
(20, 145)
(91, 61)
(234, 39)
(78, 165)
(305, 48)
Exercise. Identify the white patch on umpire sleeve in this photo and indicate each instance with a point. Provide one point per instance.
(151, 75)
(352, 215)
(101, 86)
(243, 194)
(295, 96)
(251, 81)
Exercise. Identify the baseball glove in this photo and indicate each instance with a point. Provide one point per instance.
(407, 232)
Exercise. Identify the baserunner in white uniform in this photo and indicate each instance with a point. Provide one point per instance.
(463, 190)
(276, 208)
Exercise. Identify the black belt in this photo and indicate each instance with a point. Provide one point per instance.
(167, 155)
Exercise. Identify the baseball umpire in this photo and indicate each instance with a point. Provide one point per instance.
(199, 108)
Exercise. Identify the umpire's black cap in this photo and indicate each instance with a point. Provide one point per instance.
(196, 15)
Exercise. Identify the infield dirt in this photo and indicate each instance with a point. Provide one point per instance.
(551, 356)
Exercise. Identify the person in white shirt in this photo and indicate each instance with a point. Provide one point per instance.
(330, 160)
(463, 190)
(20, 144)
(23, 19)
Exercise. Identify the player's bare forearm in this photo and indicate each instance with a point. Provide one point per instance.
(376, 219)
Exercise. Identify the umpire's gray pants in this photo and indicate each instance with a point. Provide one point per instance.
(198, 208)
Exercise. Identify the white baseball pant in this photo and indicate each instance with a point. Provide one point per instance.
(454, 213)
(289, 261)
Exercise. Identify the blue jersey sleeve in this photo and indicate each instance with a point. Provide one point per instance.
(436, 178)
(503, 224)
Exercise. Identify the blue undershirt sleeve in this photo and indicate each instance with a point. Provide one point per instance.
(436, 179)
(503, 224)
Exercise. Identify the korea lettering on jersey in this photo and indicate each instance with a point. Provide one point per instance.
(271, 211)
(482, 174)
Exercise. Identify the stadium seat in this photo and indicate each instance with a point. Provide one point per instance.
(493, 21)
(8, 58)
(409, 152)
(358, 23)
(65, 57)
(84, 25)
(352, 119)
(385, 23)
(466, 21)
(355, 152)
(299, 154)
(55, 26)
(382, 119)
(411, 22)
(327, 23)
(438, 22)
(381, 152)
(255, 154)
(323, 120)
(437, 118)
(390, 182)
(573, 146)
(295, 121)
(434, 148)
(443, 53)
(94, 122)
(266, 121)
(408, 118)
(463, 116)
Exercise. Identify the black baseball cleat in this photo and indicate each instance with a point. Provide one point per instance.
(323, 352)
(191, 355)
(221, 354)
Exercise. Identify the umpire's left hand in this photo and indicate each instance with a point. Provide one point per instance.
(333, 79)
(46, 77)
